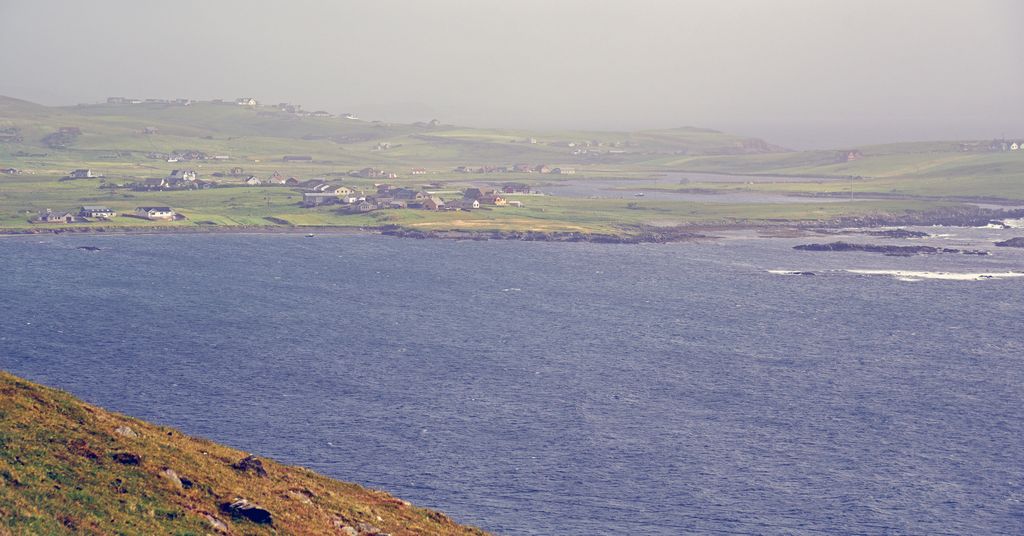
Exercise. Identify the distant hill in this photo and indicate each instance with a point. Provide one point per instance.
(268, 132)
(67, 467)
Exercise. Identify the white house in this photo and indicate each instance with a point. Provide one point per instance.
(155, 213)
(93, 211)
(246, 101)
(252, 180)
(82, 174)
(1014, 146)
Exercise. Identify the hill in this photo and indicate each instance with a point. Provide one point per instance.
(67, 467)
(123, 133)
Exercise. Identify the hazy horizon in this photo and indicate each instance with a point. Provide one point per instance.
(797, 73)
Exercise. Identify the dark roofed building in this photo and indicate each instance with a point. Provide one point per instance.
(81, 174)
(515, 188)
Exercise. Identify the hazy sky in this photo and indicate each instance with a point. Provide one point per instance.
(802, 73)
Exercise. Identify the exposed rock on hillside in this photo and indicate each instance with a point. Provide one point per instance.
(67, 467)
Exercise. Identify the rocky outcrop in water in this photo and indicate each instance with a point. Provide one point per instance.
(892, 251)
(1016, 242)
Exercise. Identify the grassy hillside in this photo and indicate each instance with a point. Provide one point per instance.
(67, 467)
(266, 133)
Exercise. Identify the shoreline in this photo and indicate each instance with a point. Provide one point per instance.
(633, 234)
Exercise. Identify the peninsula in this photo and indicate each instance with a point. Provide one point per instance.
(156, 165)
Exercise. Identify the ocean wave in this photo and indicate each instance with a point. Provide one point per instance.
(790, 272)
(906, 275)
(1010, 223)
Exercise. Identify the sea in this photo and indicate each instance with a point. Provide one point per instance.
(729, 386)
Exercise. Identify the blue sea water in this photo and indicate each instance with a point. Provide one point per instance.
(571, 389)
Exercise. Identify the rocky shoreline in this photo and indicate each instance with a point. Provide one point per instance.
(959, 216)
(887, 250)
(656, 235)
(1016, 242)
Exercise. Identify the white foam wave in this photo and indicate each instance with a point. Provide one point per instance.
(904, 275)
(1010, 223)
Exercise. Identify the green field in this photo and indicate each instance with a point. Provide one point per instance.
(114, 142)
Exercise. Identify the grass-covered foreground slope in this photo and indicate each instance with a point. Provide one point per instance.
(67, 467)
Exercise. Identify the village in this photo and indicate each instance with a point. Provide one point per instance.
(315, 192)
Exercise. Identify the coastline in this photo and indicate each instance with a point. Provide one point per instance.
(960, 216)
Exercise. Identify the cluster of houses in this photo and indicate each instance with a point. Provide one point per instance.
(392, 197)
(388, 197)
(179, 179)
(517, 168)
(89, 213)
(187, 179)
(315, 192)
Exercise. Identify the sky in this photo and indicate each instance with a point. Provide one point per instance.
(799, 73)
